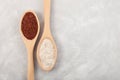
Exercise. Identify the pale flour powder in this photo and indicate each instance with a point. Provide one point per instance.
(47, 53)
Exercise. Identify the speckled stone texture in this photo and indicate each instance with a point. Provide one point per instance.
(87, 34)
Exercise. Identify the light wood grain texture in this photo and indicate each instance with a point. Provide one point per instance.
(30, 47)
(46, 35)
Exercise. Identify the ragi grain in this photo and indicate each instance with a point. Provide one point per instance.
(29, 25)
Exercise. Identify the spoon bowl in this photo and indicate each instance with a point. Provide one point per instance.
(47, 37)
(26, 41)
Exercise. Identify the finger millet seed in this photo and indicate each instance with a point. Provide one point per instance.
(29, 25)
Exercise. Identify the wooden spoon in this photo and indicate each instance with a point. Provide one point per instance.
(46, 36)
(29, 43)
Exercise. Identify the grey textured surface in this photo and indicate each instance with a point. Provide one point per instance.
(86, 32)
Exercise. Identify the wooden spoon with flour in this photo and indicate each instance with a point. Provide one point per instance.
(47, 50)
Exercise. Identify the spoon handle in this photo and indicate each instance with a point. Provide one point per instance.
(47, 14)
(30, 65)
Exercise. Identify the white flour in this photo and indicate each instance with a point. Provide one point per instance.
(47, 53)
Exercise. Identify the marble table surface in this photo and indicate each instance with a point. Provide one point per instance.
(87, 34)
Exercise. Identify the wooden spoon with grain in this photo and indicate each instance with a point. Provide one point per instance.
(29, 30)
(47, 50)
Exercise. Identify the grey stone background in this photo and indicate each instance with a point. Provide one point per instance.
(86, 33)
